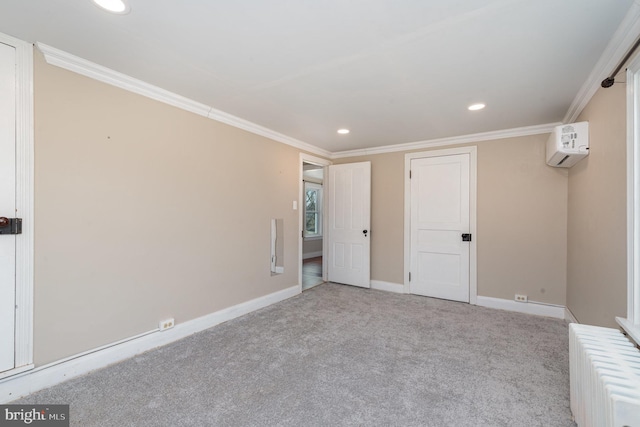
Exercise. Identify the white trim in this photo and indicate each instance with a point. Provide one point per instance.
(106, 75)
(473, 226)
(16, 371)
(308, 158)
(633, 187)
(380, 285)
(631, 324)
(49, 375)
(620, 43)
(24, 203)
(531, 307)
(473, 199)
(312, 254)
(455, 140)
(630, 329)
(569, 317)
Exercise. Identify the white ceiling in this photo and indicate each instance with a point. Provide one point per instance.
(392, 71)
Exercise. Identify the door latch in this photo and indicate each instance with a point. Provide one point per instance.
(10, 225)
(466, 237)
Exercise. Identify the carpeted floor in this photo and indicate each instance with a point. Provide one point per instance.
(338, 355)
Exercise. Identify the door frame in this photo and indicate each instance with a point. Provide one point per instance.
(308, 158)
(473, 177)
(24, 205)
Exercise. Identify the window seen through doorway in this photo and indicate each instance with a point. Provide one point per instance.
(312, 209)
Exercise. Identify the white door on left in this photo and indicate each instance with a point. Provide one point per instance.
(7, 204)
(349, 224)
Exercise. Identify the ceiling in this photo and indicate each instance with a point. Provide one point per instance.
(391, 71)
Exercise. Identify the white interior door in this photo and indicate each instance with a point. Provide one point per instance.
(440, 214)
(349, 219)
(7, 205)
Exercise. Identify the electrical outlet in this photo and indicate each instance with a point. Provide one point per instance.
(521, 298)
(166, 324)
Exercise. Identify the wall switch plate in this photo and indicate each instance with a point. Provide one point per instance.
(166, 324)
(521, 298)
(295, 205)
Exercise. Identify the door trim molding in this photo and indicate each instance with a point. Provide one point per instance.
(473, 178)
(24, 202)
(308, 158)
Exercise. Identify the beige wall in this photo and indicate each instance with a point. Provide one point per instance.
(522, 211)
(144, 211)
(311, 246)
(596, 272)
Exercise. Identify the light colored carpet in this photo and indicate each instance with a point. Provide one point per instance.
(338, 355)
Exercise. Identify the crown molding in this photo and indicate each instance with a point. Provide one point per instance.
(622, 40)
(455, 140)
(92, 70)
(618, 46)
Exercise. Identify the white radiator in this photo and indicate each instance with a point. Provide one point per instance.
(604, 369)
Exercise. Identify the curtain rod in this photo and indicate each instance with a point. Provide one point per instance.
(609, 81)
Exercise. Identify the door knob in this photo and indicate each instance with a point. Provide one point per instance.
(4, 221)
(365, 232)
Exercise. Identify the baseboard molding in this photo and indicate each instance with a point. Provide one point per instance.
(387, 286)
(539, 309)
(311, 255)
(569, 317)
(19, 385)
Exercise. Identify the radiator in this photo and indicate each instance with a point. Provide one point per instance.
(604, 370)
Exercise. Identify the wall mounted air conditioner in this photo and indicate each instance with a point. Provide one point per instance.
(568, 144)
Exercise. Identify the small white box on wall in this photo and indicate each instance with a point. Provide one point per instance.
(568, 144)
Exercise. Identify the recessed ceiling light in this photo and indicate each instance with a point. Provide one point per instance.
(113, 6)
(343, 131)
(476, 107)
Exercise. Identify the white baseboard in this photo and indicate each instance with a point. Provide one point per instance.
(19, 385)
(569, 317)
(312, 255)
(387, 286)
(540, 309)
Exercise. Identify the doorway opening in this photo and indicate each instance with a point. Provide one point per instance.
(312, 250)
(313, 224)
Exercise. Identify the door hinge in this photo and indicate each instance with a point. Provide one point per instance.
(409, 173)
(10, 225)
(409, 276)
